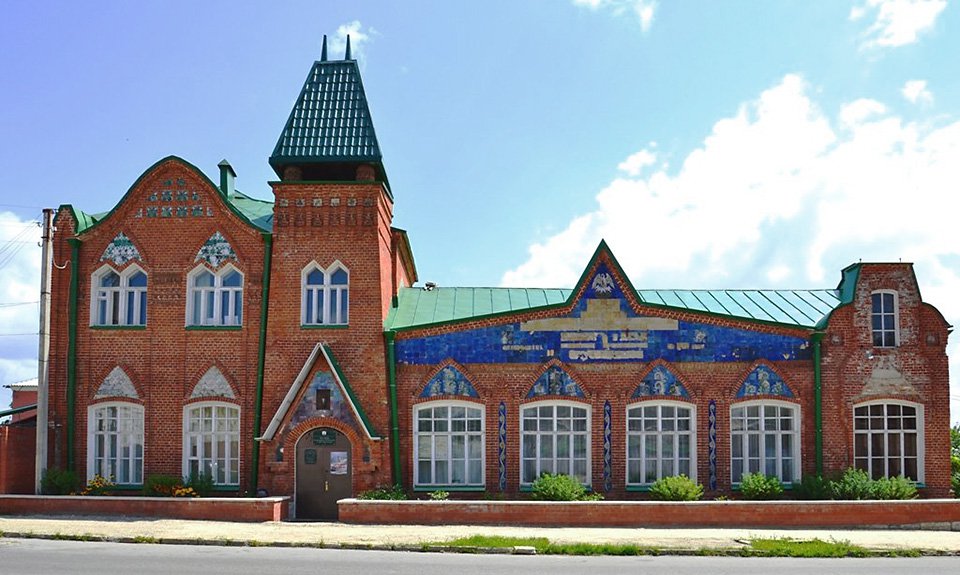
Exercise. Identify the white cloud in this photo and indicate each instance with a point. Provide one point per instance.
(916, 92)
(779, 193)
(644, 10)
(898, 22)
(19, 297)
(359, 38)
(637, 162)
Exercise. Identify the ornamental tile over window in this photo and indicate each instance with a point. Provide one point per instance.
(216, 250)
(120, 251)
(213, 384)
(555, 381)
(449, 381)
(763, 381)
(117, 384)
(660, 381)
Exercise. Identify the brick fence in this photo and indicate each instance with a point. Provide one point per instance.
(941, 514)
(208, 508)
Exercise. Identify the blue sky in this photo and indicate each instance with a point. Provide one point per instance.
(712, 144)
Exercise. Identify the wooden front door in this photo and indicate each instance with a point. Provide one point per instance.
(324, 473)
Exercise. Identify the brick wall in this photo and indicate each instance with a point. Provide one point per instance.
(17, 458)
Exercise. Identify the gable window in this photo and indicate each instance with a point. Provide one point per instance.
(119, 298)
(215, 298)
(887, 439)
(764, 438)
(325, 295)
(555, 438)
(448, 447)
(115, 442)
(660, 442)
(883, 319)
(211, 442)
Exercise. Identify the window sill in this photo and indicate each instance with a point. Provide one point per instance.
(118, 327)
(213, 327)
(325, 326)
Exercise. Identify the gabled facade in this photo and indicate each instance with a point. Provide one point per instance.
(280, 348)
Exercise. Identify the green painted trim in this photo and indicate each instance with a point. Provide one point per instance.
(261, 362)
(225, 488)
(371, 431)
(213, 327)
(394, 406)
(451, 488)
(817, 339)
(16, 410)
(638, 488)
(408, 252)
(317, 326)
(118, 327)
(72, 350)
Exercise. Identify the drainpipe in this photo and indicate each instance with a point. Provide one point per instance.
(72, 350)
(816, 339)
(394, 409)
(261, 359)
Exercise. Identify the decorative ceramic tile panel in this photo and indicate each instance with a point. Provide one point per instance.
(117, 384)
(120, 251)
(323, 383)
(607, 447)
(449, 381)
(712, 443)
(660, 381)
(555, 381)
(502, 445)
(216, 250)
(212, 384)
(764, 381)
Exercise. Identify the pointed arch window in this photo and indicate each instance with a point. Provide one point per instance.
(326, 295)
(215, 298)
(119, 297)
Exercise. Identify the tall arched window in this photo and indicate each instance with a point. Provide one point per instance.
(215, 298)
(555, 438)
(325, 295)
(211, 441)
(119, 298)
(115, 442)
(661, 441)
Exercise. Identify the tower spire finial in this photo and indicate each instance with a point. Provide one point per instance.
(347, 55)
(323, 51)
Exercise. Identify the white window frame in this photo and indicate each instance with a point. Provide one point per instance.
(867, 462)
(661, 434)
(125, 465)
(335, 309)
(218, 291)
(538, 459)
(117, 301)
(883, 313)
(445, 438)
(742, 436)
(208, 458)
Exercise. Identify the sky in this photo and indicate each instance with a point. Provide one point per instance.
(712, 144)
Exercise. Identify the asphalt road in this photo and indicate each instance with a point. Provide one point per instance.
(46, 557)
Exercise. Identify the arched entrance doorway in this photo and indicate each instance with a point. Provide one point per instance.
(324, 473)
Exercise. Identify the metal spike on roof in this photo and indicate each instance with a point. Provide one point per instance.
(323, 51)
(347, 55)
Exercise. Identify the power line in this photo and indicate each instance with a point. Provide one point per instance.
(14, 304)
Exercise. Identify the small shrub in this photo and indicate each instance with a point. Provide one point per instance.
(893, 488)
(161, 485)
(201, 483)
(853, 484)
(813, 488)
(559, 487)
(955, 484)
(757, 486)
(395, 492)
(676, 488)
(99, 485)
(439, 495)
(59, 482)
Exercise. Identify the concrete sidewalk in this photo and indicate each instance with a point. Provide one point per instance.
(415, 536)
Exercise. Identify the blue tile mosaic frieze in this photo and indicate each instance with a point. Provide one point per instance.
(555, 381)
(764, 381)
(449, 381)
(660, 381)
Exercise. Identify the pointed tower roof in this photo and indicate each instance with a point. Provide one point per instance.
(330, 123)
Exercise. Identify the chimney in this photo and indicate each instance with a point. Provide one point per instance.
(227, 177)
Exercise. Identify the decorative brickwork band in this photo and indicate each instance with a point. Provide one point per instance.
(712, 443)
(502, 444)
(607, 451)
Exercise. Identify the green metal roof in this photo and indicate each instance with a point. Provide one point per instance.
(259, 212)
(418, 307)
(330, 121)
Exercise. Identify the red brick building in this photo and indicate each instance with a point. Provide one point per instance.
(281, 347)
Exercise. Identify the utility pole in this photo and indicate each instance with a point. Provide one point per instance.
(43, 355)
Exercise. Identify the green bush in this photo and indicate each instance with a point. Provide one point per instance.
(201, 483)
(439, 495)
(955, 484)
(559, 487)
(813, 488)
(676, 488)
(853, 484)
(161, 485)
(893, 488)
(757, 486)
(394, 493)
(59, 482)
